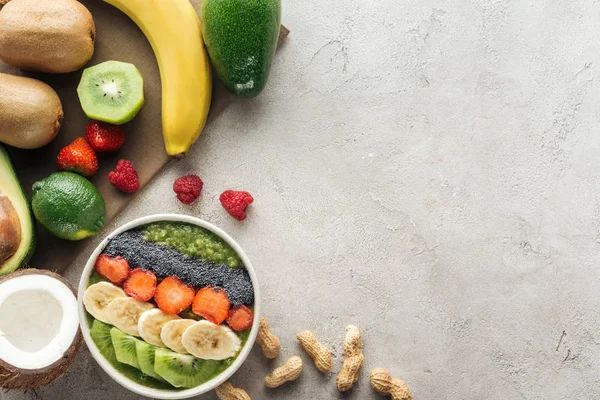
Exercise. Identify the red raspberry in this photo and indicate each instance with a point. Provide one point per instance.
(188, 188)
(124, 177)
(235, 202)
(104, 137)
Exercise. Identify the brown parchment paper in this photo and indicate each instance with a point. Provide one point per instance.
(118, 38)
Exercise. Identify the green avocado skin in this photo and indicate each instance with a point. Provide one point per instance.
(241, 38)
(10, 184)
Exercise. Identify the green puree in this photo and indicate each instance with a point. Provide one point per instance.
(192, 241)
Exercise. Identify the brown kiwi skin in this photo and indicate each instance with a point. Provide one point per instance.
(31, 112)
(55, 36)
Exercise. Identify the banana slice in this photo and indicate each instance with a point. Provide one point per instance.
(210, 342)
(151, 323)
(172, 331)
(124, 313)
(98, 296)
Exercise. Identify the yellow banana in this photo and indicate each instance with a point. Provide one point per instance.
(173, 29)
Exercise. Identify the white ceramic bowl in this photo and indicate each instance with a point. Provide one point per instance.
(123, 380)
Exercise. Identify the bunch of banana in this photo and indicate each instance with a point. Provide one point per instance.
(173, 29)
(203, 339)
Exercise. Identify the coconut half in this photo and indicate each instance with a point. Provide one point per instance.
(39, 328)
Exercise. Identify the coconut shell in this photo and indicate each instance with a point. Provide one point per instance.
(20, 379)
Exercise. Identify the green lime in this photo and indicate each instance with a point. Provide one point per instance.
(68, 206)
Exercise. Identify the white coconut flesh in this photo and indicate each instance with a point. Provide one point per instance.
(38, 321)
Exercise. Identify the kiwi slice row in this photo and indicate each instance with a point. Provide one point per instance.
(164, 365)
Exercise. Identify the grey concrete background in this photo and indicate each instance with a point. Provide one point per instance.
(427, 170)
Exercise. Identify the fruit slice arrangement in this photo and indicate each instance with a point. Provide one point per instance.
(176, 318)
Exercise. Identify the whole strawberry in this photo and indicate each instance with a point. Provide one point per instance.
(124, 177)
(188, 188)
(235, 203)
(104, 137)
(78, 157)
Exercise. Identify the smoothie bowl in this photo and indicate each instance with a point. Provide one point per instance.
(169, 306)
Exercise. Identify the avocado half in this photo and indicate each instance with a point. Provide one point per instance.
(10, 186)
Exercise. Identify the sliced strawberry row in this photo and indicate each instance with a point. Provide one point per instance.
(172, 295)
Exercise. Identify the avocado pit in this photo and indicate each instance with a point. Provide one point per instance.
(10, 228)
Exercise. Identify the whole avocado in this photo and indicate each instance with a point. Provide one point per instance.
(241, 38)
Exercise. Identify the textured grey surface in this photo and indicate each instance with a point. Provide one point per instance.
(427, 170)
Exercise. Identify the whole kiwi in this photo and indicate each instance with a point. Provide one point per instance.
(31, 112)
(46, 35)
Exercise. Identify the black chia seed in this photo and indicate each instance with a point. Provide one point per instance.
(167, 261)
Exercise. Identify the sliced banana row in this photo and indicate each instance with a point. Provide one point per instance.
(203, 339)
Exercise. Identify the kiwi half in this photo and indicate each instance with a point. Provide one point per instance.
(185, 371)
(112, 92)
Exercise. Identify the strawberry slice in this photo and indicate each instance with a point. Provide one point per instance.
(141, 284)
(240, 318)
(115, 269)
(212, 304)
(173, 296)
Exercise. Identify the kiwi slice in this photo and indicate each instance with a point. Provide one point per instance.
(100, 333)
(145, 358)
(112, 92)
(185, 371)
(125, 347)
